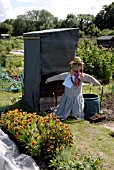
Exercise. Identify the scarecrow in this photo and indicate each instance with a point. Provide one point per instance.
(72, 101)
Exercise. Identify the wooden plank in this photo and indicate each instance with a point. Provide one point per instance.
(46, 103)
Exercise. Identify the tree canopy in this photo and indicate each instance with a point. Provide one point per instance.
(105, 18)
(37, 20)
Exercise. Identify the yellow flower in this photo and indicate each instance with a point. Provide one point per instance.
(9, 125)
(35, 136)
(24, 113)
(57, 149)
(48, 149)
(20, 127)
(16, 110)
(16, 121)
(51, 137)
(24, 121)
(30, 116)
(29, 120)
(41, 120)
(33, 143)
(61, 147)
(34, 113)
(51, 146)
(16, 136)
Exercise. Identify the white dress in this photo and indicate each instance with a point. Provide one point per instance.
(72, 101)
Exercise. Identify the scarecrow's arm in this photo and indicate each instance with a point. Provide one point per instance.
(91, 79)
(61, 76)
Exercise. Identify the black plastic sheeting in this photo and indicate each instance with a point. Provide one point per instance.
(46, 53)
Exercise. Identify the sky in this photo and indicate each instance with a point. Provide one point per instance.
(10, 9)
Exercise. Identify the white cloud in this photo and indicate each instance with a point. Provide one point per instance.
(64, 7)
(59, 8)
(27, 1)
(5, 9)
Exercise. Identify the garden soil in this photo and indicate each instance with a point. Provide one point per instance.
(107, 108)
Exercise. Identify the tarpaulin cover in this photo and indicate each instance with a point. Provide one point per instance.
(10, 159)
(46, 53)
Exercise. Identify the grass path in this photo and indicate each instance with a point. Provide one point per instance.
(95, 140)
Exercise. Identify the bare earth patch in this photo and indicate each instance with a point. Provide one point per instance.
(107, 107)
(109, 125)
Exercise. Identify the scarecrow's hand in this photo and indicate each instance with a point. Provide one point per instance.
(46, 82)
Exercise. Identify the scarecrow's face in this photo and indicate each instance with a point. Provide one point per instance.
(77, 67)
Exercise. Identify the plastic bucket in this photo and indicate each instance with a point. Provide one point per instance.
(91, 104)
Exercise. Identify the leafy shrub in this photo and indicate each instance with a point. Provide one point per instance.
(6, 46)
(62, 162)
(40, 136)
(99, 62)
(2, 53)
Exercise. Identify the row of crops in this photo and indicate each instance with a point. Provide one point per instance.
(99, 61)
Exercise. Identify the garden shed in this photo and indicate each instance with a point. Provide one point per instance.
(4, 36)
(106, 41)
(46, 53)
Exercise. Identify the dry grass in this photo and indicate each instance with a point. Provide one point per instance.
(92, 139)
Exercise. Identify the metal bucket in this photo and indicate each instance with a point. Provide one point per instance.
(91, 105)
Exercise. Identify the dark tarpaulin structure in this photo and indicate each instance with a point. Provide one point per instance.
(46, 53)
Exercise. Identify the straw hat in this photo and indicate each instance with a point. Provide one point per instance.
(77, 60)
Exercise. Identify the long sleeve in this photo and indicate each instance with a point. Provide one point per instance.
(91, 79)
(61, 76)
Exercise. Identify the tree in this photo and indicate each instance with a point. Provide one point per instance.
(42, 19)
(84, 21)
(105, 18)
(92, 30)
(70, 22)
(5, 28)
(30, 15)
(46, 20)
(21, 26)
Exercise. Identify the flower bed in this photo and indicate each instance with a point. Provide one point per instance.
(41, 137)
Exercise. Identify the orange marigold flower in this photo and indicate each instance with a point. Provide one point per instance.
(20, 127)
(29, 120)
(16, 110)
(51, 146)
(35, 154)
(57, 149)
(34, 113)
(24, 113)
(51, 137)
(9, 125)
(16, 135)
(41, 120)
(30, 116)
(33, 143)
(24, 121)
(61, 147)
(15, 121)
(46, 120)
(35, 136)
(48, 149)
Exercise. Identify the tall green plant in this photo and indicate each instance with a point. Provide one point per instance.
(99, 61)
